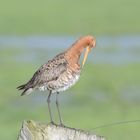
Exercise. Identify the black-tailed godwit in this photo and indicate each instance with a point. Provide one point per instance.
(61, 72)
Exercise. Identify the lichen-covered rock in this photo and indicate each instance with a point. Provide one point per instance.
(32, 130)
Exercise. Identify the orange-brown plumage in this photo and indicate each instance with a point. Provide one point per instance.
(74, 52)
(62, 71)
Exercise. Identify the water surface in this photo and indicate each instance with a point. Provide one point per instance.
(114, 50)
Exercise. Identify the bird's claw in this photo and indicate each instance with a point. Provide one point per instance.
(62, 125)
(52, 123)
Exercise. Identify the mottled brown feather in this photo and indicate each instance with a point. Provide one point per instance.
(46, 73)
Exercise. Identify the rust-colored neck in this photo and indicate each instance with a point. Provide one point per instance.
(74, 52)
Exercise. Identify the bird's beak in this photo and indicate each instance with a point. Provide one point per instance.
(85, 55)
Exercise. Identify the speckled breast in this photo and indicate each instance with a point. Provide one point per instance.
(65, 81)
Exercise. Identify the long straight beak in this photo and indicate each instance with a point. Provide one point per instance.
(85, 55)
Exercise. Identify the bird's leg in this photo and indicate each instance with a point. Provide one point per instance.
(48, 101)
(57, 105)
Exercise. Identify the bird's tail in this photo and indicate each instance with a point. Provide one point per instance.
(26, 89)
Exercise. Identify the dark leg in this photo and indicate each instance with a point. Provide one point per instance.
(57, 105)
(48, 101)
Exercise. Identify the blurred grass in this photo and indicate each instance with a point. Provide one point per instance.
(69, 17)
(105, 93)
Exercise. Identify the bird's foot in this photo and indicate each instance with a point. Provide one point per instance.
(52, 123)
(62, 125)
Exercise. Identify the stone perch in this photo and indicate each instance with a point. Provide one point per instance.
(32, 130)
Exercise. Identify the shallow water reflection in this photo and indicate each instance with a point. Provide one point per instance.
(114, 50)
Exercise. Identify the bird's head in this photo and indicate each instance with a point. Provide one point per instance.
(88, 42)
(84, 43)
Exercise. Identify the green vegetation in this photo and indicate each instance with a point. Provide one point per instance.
(69, 17)
(105, 93)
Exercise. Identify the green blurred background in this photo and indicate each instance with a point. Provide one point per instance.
(31, 32)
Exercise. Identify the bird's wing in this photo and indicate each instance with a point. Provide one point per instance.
(57, 67)
(46, 73)
(49, 71)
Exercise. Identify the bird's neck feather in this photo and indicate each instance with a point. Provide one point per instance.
(73, 54)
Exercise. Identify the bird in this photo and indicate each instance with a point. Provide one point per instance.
(61, 72)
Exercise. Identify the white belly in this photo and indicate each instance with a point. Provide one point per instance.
(68, 85)
(61, 84)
